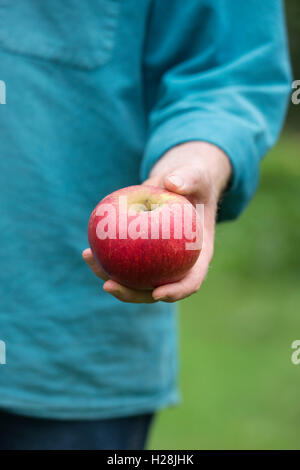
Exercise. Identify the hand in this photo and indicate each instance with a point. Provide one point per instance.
(200, 171)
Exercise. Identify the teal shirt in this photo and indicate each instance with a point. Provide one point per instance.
(96, 93)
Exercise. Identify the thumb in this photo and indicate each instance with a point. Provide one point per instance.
(186, 180)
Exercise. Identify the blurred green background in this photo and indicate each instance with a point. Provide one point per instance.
(240, 389)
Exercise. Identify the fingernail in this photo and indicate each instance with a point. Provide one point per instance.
(111, 291)
(107, 287)
(162, 298)
(176, 180)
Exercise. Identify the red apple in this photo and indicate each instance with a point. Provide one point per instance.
(142, 236)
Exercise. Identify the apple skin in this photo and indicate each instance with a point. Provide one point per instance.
(143, 263)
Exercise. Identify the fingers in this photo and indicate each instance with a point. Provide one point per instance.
(111, 287)
(88, 257)
(189, 285)
(128, 295)
(193, 280)
(167, 293)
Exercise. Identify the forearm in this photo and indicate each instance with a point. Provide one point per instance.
(230, 88)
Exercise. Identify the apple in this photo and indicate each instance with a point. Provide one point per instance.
(144, 236)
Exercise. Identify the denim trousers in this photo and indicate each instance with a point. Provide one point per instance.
(26, 433)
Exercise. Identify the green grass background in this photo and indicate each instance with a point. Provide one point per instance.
(240, 389)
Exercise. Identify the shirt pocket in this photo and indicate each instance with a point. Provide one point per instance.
(80, 33)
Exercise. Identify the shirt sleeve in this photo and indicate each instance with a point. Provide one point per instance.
(217, 71)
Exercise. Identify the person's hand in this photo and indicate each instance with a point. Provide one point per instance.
(200, 172)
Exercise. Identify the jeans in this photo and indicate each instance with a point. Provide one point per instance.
(24, 433)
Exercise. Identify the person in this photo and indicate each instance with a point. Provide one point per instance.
(102, 95)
